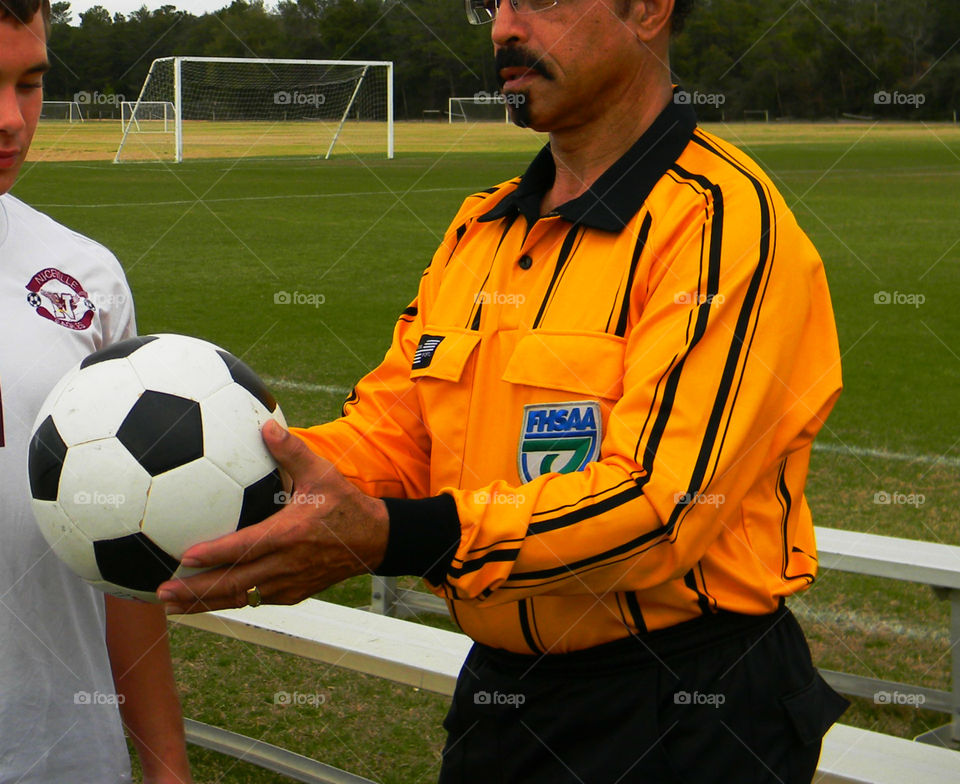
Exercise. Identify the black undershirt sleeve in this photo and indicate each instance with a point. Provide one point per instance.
(424, 535)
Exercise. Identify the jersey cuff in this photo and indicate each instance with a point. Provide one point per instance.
(424, 536)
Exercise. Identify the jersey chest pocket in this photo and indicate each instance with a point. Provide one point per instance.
(589, 365)
(444, 370)
(443, 354)
(566, 384)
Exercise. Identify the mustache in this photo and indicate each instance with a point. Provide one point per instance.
(517, 56)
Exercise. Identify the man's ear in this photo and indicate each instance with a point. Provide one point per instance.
(650, 18)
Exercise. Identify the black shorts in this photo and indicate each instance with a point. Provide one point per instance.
(729, 698)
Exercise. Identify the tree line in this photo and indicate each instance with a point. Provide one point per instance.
(734, 58)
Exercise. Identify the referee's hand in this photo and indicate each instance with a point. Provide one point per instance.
(329, 531)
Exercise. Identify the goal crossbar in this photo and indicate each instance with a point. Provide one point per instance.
(168, 82)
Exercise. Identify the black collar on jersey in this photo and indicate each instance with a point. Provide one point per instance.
(619, 193)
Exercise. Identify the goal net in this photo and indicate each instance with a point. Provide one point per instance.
(482, 107)
(203, 107)
(148, 116)
(66, 111)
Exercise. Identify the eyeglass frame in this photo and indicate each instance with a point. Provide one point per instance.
(475, 8)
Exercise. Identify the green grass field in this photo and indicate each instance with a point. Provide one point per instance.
(210, 246)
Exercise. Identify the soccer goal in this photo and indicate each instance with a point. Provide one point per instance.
(236, 107)
(68, 111)
(762, 115)
(478, 108)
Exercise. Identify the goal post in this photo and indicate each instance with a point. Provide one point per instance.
(478, 108)
(62, 110)
(250, 105)
(757, 115)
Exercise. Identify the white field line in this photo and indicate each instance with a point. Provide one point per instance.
(883, 454)
(232, 199)
(301, 386)
(865, 623)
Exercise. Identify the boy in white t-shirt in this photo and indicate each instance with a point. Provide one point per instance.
(69, 656)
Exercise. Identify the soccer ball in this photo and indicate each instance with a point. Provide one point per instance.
(146, 448)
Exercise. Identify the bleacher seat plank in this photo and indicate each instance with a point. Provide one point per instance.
(390, 648)
(854, 756)
(931, 563)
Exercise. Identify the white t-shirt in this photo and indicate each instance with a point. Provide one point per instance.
(61, 297)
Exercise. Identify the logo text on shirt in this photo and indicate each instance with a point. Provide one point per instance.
(558, 437)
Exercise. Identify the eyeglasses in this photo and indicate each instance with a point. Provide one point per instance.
(483, 11)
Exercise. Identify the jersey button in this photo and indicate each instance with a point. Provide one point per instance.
(525, 262)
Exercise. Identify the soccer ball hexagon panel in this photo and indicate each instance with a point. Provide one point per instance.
(145, 449)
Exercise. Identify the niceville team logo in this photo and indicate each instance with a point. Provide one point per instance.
(60, 298)
(558, 437)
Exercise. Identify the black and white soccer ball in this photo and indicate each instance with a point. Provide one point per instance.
(146, 448)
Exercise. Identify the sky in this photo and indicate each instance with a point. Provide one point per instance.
(196, 7)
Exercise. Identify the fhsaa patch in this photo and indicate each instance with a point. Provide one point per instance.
(558, 437)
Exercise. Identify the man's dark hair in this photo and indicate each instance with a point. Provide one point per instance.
(24, 10)
(681, 10)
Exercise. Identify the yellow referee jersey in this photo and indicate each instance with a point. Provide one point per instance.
(607, 410)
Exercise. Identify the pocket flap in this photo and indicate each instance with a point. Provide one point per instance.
(443, 354)
(813, 709)
(587, 364)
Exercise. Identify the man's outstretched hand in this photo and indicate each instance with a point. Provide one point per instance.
(329, 531)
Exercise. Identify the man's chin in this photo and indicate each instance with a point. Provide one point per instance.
(520, 114)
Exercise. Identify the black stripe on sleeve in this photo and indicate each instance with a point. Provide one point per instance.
(786, 502)
(476, 564)
(737, 344)
(569, 570)
(703, 314)
(636, 613)
(461, 230)
(352, 398)
(690, 580)
(633, 478)
(587, 512)
(523, 613)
